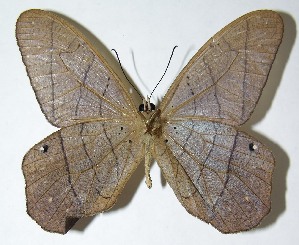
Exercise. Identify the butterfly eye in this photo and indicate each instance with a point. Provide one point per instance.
(153, 107)
(142, 108)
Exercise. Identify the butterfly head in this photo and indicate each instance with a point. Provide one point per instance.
(151, 117)
(147, 106)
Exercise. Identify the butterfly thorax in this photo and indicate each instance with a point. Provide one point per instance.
(152, 122)
(152, 129)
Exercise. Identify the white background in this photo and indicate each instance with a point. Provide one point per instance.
(148, 30)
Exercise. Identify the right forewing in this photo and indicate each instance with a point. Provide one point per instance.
(225, 78)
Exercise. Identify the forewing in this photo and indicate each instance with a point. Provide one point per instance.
(219, 174)
(224, 80)
(79, 171)
(70, 80)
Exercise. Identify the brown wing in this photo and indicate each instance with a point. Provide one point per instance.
(219, 174)
(224, 79)
(79, 171)
(70, 80)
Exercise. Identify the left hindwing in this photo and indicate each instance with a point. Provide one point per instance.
(79, 171)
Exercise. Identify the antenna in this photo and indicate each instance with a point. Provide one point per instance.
(125, 73)
(164, 71)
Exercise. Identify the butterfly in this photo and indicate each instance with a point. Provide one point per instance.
(217, 172)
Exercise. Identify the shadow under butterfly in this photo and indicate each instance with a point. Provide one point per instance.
(218, 173)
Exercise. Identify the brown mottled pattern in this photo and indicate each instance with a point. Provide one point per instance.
(218, 173)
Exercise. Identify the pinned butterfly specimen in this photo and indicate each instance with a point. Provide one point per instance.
(218, 173)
